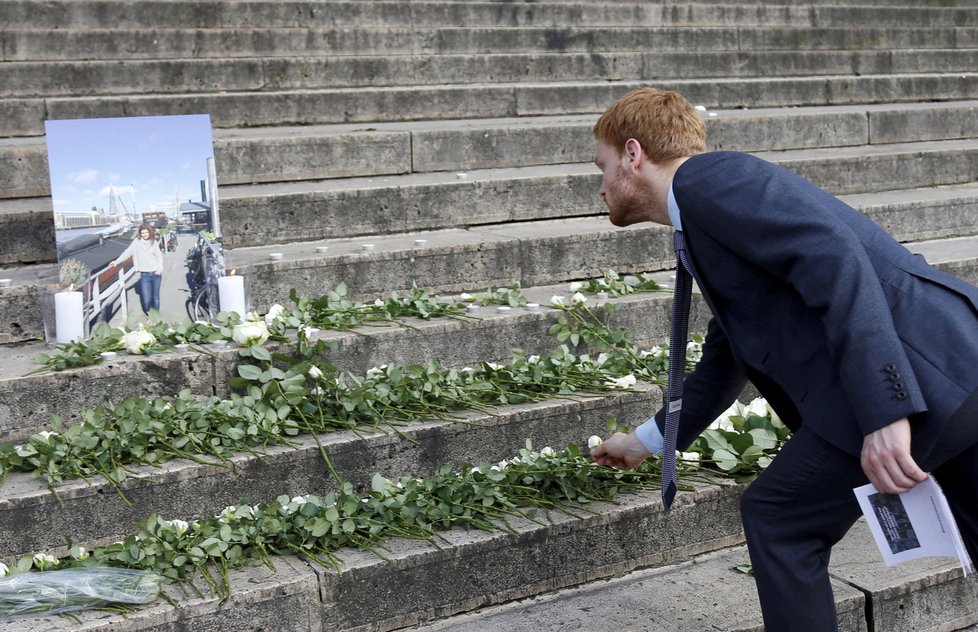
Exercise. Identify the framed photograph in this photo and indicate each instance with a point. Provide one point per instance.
(136, 217)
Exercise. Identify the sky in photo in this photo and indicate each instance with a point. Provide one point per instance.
(149, 162)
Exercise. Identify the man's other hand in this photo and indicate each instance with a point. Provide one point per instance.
(886, 459)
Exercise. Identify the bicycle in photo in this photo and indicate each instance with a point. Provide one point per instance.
(205, 264)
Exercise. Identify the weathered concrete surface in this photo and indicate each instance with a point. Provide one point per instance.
(351, 14)
(477, 569)
(27, 403)
(705, 593)
(103, 78)
(417, 202)
(151, 42)
(27, 234)
(34, 520)
(284, 600)
(20, 314)
(928, 594)
(455, 261)
(26, 116)
(311, 152)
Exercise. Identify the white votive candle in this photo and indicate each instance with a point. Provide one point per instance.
(230, 290)
(68, 316)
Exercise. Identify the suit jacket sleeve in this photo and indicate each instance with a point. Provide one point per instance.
(709, 390)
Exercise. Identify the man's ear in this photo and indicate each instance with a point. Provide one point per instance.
(634, 154)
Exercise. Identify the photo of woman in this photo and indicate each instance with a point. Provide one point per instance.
(147, 259)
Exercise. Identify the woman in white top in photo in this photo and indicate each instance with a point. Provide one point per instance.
(148, 261)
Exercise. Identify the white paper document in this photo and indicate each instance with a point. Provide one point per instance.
(913, 524)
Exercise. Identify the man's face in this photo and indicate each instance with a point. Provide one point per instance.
(629, 198)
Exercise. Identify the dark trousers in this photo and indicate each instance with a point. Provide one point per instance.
(803, 504)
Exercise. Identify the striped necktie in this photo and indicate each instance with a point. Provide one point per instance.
(677, 368)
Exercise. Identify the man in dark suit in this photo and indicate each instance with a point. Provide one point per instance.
(867, 353)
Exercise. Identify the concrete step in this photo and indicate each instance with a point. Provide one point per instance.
(469, 569)
(489, 256)
(77, 44)
(708, 593)
(26, 116)
(661, 574)
(240, 14)
(30, 79)
(36, 520)
(316, 210)
(27, 402)
(313, 152)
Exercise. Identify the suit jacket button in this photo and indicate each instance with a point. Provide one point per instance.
(894, 376)
(901, 396)
(890, 368)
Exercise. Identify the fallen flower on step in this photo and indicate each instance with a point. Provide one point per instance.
(137, 340)
(249, 333)
(626, 381)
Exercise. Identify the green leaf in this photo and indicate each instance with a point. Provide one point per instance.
(726, 460)
(249, 371)
(764, 438)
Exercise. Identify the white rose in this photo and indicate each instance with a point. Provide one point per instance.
(548, 452)
(180, 526)
(557, 301)
(375, 372)
(78, 553)
(46, 435)
(250, 333)
(758, 406)
(594, 441)
(44, 561)
(689, 456)
(579, 299)
(533, 359)
(601, 359)
(722, 423)
(135, 341)
(273, 313)
(306, 331)
(626, 381)
(466, 296)
(379, 303)
(315, 372)
(575, 286)
(494, 366)
(4, 570)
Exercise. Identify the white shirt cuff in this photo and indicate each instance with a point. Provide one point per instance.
(648, 433)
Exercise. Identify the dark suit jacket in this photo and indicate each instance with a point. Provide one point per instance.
(840, 327)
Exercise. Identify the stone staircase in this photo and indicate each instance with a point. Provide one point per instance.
(467, 124)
